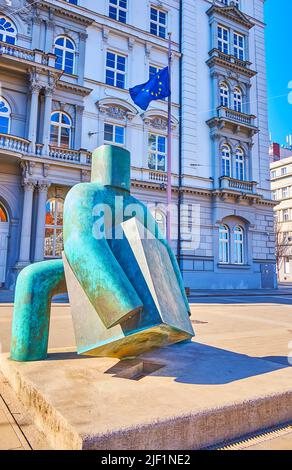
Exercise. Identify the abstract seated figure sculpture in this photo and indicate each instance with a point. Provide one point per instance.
(124, 284)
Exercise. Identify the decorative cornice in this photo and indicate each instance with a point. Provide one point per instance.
(232, 13)
(71, 87)
(67, 13)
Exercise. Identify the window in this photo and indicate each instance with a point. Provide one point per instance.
(7, 30)
(114, 134)
(4, 116)
(115, 70)
(74, 2)
(238, 245)
(157, 152)
(118, 10)
(65, 52)
(237, 100)
(224, 244)
(226, 160)
(54, 228)
(153, 70)
(160, 220)
(274, 195)
(3, 214)
(273, 174)
(285, 192)
(284, 170)
(224, 95)
(238, 46)
(223, 39)
(158, 20)
(61, 130)
(285, 215)
(239, 164)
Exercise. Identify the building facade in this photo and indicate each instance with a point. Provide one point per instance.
(281, 182)
(65, 69)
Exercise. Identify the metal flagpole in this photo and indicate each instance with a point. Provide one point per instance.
(169, 187)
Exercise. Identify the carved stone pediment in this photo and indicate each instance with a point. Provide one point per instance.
(116, 112)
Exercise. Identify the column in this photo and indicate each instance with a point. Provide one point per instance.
(41, 221)
(78, 127)
(50, 36)
(81, 57)
(47, 118)
(33, 116)
(24, 254)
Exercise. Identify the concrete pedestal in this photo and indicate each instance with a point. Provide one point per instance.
(184, 396)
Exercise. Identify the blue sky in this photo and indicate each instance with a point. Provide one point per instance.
(278, 15)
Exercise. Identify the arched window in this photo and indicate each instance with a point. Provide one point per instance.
(5, 113)
(237, 99)
(3, 214)
(239, 164)
(224, 95)
(160, 220)
(54, 228)
(65, 52)
(238, 245)
(7, 30)
(61, 129)
(226, 160)
(224, 244)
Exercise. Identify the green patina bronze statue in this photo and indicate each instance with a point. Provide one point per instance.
(124, 284)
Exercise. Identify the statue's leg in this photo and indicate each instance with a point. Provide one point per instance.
(35, 287)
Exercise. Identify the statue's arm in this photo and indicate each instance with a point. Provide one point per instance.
(92, 261)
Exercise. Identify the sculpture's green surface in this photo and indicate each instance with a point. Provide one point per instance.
(89, 248)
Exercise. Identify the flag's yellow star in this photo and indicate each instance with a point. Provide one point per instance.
(160, 83)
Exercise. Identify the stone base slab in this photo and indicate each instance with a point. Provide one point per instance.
(184, 396)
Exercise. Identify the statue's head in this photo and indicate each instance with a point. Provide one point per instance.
(111, 166)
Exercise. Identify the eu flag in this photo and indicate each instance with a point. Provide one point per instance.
(156, 88)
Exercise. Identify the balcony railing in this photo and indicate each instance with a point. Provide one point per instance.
(231, 59)
(240, 118)
(238, 185)
(35, 56)
(70, 155)
(14, 143)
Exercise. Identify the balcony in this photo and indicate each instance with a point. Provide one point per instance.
(13, 143)
(152, 176)
(237, 185)
(236, 121)
(218, 58)
(10, 53)
(69, 155)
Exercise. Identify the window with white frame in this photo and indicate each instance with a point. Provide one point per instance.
(285, 215)
(115, 70)
(226, 160)
(285, 192)
(238, 234)
(54, 228)
(239, 164)
(286, 265)
(157, 151)
(114, 134)
(274, 195)
(158, 22)
(61, 130)
(237, 99)
(223, 39)
(5, 119)
(273, 174)
(284, 170)
(7, 30)
(160, 220)
(238, 46)
(65, 52)
(153, 70)
(224, 244)
(118, 10)
(224, 95)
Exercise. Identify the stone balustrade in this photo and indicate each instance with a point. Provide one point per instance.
(232, 115)
(14, 143)
(238, 185)
(35, 55)
(70, 155)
